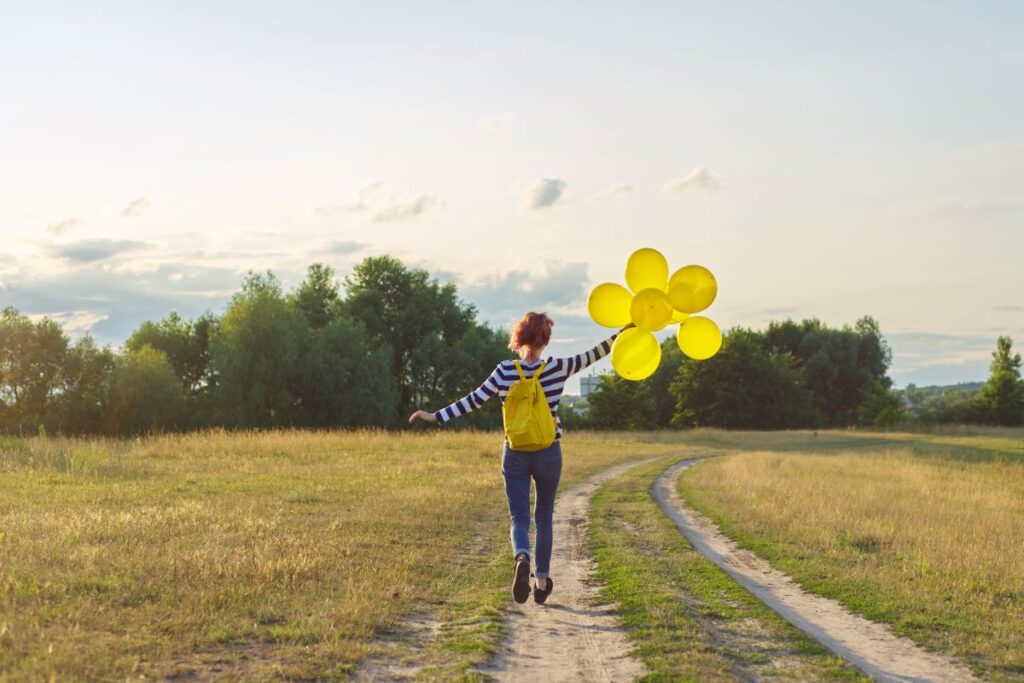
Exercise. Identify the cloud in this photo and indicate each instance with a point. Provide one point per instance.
(89, 251)
(344, 247)
(700, 180)
(383, 207)
(59, 228)
(1008, 309)
(927, 358)
(111, 304)
(74, 323)
(397, 209)
(503, 297)
(136, 207)
(494, 122)
(621, 188)
(545, 192)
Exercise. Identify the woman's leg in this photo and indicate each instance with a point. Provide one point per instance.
(516, 471)
(547, 470)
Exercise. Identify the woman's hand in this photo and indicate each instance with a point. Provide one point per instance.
(422, 415)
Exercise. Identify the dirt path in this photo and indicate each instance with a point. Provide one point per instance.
(573, 637)
(869, 646)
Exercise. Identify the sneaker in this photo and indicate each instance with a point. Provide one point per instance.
(539, 596)
(521, 585)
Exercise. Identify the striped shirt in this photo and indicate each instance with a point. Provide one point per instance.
(556, 372)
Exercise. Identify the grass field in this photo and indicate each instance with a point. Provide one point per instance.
(304, 555)
(925, 532)
(689, 620)
(283, 552)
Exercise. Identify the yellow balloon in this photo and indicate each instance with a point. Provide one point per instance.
(609, 305)
(636, 354)
(650, 309)
(691, 289)
(679, 316)
(699, 338)
(646, 268)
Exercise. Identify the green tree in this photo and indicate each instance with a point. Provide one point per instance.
(146, 394)
(618, 403)
(344, 382)
(661, 381)
(1001, 400)
(425, 325)
(743, 387)
(85, 389)
(842, 367)
(256, 356)
(31, 362)
(317, 296)
(186, 344)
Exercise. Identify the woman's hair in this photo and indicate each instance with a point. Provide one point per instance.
(533, 331)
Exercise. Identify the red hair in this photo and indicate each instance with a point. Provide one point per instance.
(533, 331)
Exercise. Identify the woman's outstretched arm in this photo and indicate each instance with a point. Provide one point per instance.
(574, 364)
(467, 403)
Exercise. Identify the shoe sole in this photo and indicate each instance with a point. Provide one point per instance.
(541, 596)
(521, 585)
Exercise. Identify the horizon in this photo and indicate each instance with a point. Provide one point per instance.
(823, 164)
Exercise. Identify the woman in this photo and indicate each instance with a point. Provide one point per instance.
(529, 338)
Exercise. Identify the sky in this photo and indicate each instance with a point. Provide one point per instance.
(823, 159)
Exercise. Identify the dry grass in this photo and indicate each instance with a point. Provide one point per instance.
(933, 544)
(241, 555)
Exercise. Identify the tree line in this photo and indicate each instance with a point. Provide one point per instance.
(795, 375)
(397, 340)
(310, 357)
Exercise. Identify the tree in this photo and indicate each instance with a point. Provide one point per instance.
(186, 344)
(661, 381)
(85, 390)
(1001, 400)
(743, 387)
(145, 395)
(618, 403)
(842, 367)
(425, 325)
(344, 382)
(255, 356)
(317, 296)
(31, 361)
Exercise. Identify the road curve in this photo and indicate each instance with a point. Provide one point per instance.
(869, 646)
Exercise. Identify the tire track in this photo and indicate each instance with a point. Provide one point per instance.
(871, 647)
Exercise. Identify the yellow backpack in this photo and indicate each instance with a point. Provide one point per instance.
(528, 422)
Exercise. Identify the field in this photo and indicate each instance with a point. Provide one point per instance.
(313, 555)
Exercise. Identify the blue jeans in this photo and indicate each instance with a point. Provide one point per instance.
(545, 466)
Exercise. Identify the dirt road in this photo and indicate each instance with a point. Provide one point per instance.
(871, 647)
(574, 637)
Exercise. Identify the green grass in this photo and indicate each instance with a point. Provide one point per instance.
(689, 621)
(305, 551)
(925, 535)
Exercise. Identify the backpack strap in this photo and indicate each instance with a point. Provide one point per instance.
(519, 369)
(540, 370)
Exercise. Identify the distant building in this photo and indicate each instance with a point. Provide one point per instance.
(588, 384)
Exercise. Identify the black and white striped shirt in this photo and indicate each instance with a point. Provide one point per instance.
(556, 372)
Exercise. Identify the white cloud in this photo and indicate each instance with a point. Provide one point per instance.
(403, 209)
(383, 206)
(62, 227)
(700, 180)
(74, 323)
(545, 192)
(136, 207)
(494, 122)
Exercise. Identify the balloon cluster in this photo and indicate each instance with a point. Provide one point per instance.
(656, 300)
